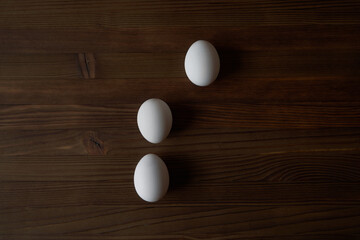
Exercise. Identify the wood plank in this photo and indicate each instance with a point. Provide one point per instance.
(211, 222)
(200, 167)
(120, 193)
(119, 14)
(235, 64)
(178, 39)
(263, 77)
(197, 115)
(228, 90)
(218, 141)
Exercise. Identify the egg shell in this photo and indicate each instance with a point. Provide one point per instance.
(154, 120)
(202, 63)
(151, 178)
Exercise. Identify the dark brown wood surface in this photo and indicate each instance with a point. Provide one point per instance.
(270, 150)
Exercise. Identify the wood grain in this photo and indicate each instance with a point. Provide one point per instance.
(269, 151)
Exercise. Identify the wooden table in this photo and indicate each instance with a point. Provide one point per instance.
(270, 150)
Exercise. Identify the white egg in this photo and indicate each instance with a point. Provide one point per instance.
(202, 63)
(154, 120)
(151, 178)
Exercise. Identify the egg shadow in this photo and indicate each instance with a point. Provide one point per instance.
(181, 171)
(230, 63)
(182, 117)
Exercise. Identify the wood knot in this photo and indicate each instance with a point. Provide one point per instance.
(87, 64)
(94, 145)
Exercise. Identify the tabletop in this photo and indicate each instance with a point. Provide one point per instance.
(270, 150)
